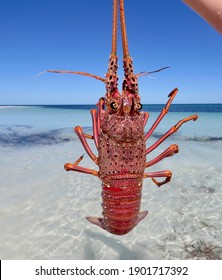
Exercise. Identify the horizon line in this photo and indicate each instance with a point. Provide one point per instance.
(82, 104)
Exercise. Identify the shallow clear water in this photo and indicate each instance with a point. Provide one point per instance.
(43, 208)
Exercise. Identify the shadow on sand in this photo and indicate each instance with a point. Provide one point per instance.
(121, 252)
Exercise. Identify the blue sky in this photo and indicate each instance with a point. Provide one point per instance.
(76, 35)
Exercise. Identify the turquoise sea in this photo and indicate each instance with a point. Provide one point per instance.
(43, 207)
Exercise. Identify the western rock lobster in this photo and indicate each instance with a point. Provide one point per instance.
(118, 134)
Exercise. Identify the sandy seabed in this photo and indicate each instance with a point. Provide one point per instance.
(43, 207)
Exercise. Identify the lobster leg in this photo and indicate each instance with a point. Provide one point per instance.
(96, 116)
(146, 116)
(165, 173)
(163, 113)
(89, 136)
(100, 110)
(74, 167)
(173, 149)
(82, 138)
(95, 127)
(172, 130)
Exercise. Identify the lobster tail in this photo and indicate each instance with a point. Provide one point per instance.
(119, 230)
(121, 205)
(121, 196)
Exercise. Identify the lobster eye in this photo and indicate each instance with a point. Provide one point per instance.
(139, 106)
(113, 105)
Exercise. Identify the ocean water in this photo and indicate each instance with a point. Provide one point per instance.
(43, 207)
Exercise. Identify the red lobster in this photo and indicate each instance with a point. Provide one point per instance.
(118, 133)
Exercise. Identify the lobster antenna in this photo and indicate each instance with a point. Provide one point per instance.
(130, 82)
(123, 29)
(114, 28)
(111, 79)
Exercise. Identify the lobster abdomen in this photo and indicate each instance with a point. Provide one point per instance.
(121, 201)
(121, 205)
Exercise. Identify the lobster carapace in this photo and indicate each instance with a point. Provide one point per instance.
(118, 134)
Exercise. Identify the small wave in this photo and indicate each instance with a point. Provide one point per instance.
(2, 107)
(11, 106)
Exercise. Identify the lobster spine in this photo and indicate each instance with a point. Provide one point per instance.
(121, 205)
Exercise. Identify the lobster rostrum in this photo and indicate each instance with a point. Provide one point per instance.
(118, 134)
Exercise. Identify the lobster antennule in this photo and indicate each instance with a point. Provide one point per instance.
(146, 73)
